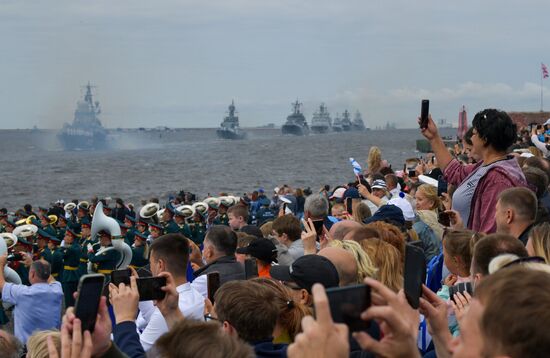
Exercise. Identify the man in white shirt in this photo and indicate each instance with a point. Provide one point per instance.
(169, 253)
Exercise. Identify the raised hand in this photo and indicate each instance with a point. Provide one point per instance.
(309, 237)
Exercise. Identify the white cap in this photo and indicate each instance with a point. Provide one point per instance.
(338, 193)
(405, 206)
(547, 121)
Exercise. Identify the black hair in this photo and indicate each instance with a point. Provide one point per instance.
(174, 250)
(223, 239)
(496, 128)
(468, 136)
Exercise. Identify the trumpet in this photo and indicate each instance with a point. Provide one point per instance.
(52, 219)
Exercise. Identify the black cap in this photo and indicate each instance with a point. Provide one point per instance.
(306, 271)
(262, 249)
(252, 230)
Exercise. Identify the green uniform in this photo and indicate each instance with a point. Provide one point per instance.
(185, 230)
(198, 232)
(23, 273)
(222, 219)
(138, 260)
(71, 272)
(129, 237)
(50, 230)
(171, 227)
(56, 263)
(61, 233)
(83, 264)
(105, 262)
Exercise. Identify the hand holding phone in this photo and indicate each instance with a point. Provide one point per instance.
(424, 112)
(150, 288)
(212, 284)
(347, 303)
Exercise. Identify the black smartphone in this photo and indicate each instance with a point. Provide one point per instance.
(424, 111)
(444, 219)
(415, 274)
(121, 276)
(150, 288)
(412, 173)
(349, 205)
(539, 126)
(212, 284)
(87, 302)
(318, 225)
(442, 187)
(347, 303)
(461, 288)
(250, 268)
(284, 208)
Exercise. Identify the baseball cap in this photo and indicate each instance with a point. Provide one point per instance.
(338, 193)
(262, 249)
(252, 230)
(352, 193)
(306, 271)
(379, 184)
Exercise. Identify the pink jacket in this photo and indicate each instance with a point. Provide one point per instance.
(506, 175)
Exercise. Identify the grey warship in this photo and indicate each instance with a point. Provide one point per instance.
(337, 124)
(229, 128)
(321, 122)
(346, 122)
(358, 124)
(296, 123)
(86, 132)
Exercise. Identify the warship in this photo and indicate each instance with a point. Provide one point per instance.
(296, 122)
(337, 124)
(86, 132)
(346, 122)
(229, 128)
(358, 124)
(321, 122)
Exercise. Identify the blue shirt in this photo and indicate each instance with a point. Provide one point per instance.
(37, 307)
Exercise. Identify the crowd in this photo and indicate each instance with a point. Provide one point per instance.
(479, 212)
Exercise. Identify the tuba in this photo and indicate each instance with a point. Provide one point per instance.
(200, 207)
(25, 230)
(101, 222)
(7, 241)
(150, 212)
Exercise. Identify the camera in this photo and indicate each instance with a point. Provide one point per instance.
(16, 256)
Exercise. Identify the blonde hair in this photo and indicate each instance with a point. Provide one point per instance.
(37, 344)
(390, 234)
(387, 260)
(361, 211)
(267, 228)
(430, 192)
(365, 267)
(540, 240)
(374, 160)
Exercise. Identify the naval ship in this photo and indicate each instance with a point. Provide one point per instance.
(346, 122)
(296, 122)
(86, 132)
(321, 122)
(337, 123)
(358, 124)
(229, 128)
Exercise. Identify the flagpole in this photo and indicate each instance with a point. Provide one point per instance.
(541, 78)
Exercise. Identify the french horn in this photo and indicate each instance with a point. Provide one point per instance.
(25, 230)
(52, 219)
(102, 222)
(8, 241)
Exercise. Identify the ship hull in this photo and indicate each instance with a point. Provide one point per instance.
(291, 129)
(319, 129)
(225, 134)
(346, 128)
(337, 129)
(71, 142)
(358, 128)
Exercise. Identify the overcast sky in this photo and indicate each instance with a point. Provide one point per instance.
(180, 63)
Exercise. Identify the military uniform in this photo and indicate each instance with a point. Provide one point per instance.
(171, 227)
(138, 253)
(222, 219)
(71, 271)
(50, 230)
(104, 263)
(56, 263)
(198, 232)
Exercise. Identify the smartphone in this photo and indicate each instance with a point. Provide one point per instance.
(87, 302)
(539, 126)
(424, 111)
(250, 268)
(121, 276)
(461, 288)
(415, 274)
(349, 205)
(150, 288)
(444, 219)
(212, 284)
(318, 225)
(347, 303)
(412, 173)
(442, 187)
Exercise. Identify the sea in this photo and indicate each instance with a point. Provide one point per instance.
(156, 163)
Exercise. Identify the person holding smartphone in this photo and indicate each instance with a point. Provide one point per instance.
(478, 185)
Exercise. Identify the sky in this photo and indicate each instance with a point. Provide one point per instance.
(180, 63)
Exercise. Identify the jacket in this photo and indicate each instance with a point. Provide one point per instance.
(228, 268)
